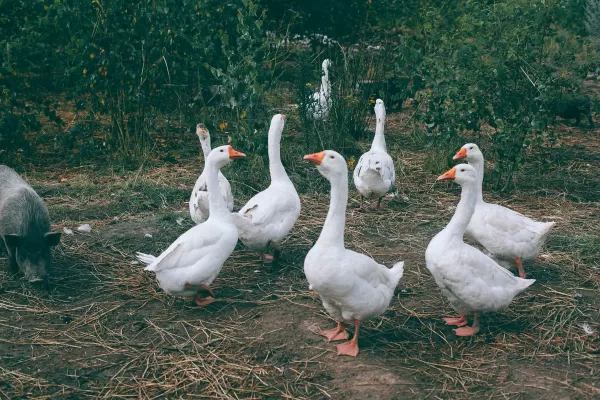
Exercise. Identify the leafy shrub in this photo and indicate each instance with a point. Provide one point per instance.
(483, 77)
(135, 62)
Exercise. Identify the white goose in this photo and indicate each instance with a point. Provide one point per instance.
(271, 214)
(374, 174)
(471, 281)
(199, 208)
(353, 287)
(194, 260)
(505, 234)
(321, 101)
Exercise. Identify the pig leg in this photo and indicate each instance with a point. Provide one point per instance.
(590, 120)
(12, 262)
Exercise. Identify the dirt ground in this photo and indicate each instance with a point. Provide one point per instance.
(106, 330)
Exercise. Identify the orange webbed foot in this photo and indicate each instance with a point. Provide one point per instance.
(462, 321)
(203, 301)
(466, 331)
(348, 349)
(337, 333)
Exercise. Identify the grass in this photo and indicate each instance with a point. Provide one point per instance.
(106, 330)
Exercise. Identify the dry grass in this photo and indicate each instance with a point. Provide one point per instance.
(105, 330)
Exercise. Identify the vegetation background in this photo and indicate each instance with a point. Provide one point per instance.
(138, 73)
(98, 100)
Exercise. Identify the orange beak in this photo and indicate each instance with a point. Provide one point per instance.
(448, 175)
(462, 153)
(233, 154)
(315, 158)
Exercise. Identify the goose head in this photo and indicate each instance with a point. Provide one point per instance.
(204, 137)
(223, 155)
(277, 122)
(470, 152)
(202, 132)
(326, 64)
(329, 163)
(461, 174)
(380, 110)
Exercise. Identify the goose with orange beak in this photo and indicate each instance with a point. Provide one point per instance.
(189, 265)
(353, 287)
(506, 235)
(472, 282)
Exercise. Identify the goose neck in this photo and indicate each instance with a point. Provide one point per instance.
(325, 89)
(205, 144)
(216, 202)
(275, 166)
(379, 139)
(479, 165)
(464, 211)
(333, 229)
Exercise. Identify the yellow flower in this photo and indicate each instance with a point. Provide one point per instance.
(371, 100)
(243, 114)
(92, 56)
(102, 101)
(308, 84)
(351, 162)
(85, 71)
(223, 126)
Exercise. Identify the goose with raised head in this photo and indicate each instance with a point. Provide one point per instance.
(353, 287)
(504, 233)
(471, 281)
(199, 207)
(320, 106)
(193, 261)
(270, 215)
(374, 174)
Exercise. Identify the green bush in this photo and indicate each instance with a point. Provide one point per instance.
(495, 69)
(136, 62)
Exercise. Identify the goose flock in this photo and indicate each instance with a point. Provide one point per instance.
(353, 287)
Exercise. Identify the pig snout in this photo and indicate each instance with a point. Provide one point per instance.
(36, 276)
(35, 271)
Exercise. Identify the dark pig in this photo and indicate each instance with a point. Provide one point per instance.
(574, 108)
(25, 227)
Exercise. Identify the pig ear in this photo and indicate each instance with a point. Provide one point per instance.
(12, 241)
(52, 238)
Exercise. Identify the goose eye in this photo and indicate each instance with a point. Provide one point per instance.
(221, 150)
(462, 170)
(470, 148)
(332, 157)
